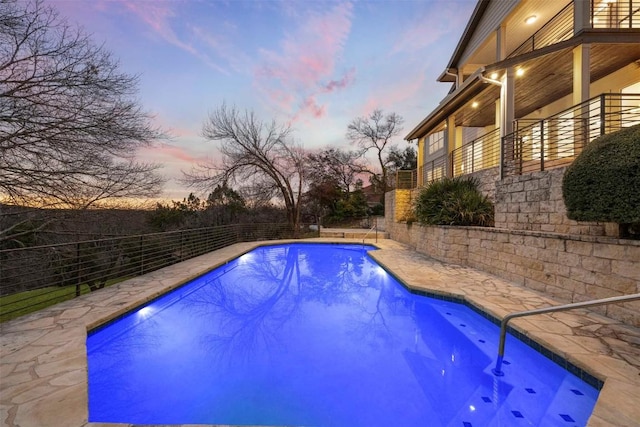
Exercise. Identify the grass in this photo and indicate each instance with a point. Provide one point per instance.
(21, 303)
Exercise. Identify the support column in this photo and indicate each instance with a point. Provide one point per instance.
(581, 83)
(507, 111)
(451, 143)
(581, 73)
(507, 102)
(501, 43)
(581, 15)
(421, 149)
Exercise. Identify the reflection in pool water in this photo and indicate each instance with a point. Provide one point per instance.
(318, 335)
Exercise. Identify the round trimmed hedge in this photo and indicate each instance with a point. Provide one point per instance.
(603, 183)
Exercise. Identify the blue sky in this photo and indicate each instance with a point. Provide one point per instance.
(316, 65)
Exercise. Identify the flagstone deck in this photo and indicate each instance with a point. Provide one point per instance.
(43, 365)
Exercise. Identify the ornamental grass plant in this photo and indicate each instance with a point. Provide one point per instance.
(454, 201)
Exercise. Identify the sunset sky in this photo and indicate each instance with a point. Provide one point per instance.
(313, 64)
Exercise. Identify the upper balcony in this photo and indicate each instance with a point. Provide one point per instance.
(530, 25)
(603, 14)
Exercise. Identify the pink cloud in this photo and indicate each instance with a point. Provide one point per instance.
(345, 81)
(164, 150)
(307, 58)
(310, 108)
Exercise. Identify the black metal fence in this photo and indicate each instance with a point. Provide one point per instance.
(35, 277)
(406, 179)
(478, 154)
(559, 28)
(555, 141)
(615, 14)
(432, 170)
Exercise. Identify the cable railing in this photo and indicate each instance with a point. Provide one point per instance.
(35, 277)
(615, 14)
(478, 154)
(557, 140)
(559, 28)
(406, 179)
(432, 170)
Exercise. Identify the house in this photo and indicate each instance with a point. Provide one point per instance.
(532, 81)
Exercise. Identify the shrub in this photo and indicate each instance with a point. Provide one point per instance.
(453, 201)
(603, 183)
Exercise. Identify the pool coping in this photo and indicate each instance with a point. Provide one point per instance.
(43, 356)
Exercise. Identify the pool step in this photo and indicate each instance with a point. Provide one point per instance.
(353, 233)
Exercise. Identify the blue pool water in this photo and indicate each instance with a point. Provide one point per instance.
(319, 335)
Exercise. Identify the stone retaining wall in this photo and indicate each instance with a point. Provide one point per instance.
(533, 201)
(570, 268)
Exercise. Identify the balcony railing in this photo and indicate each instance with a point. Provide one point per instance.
(406, 179)
(559, 28)
(478, 154)
(615, 14)
(557, 140)
(432, 170)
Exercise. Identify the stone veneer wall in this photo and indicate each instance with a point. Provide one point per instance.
(487, 179)
(569, 268)
(533, 201)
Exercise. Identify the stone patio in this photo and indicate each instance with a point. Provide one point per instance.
(43, 364)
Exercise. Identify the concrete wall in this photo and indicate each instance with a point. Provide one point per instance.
(569, 268)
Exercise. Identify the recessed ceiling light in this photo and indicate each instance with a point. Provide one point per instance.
(474, 104)
(520, 72)
(530, 19)
(494, 76)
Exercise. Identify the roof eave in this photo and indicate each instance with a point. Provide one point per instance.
(446, 105)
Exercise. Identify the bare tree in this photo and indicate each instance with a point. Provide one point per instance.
(69, 121)
(375, 132)
(339, 166)
(258, 157)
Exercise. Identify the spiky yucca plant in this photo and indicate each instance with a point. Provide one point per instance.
(454, 201)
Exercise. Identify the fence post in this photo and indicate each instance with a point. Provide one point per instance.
(602, 115)
(542, 145)
(473, 157)
(141, 256)
(181, 245)
(78, 269)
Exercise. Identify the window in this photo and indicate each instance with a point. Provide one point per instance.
(434, 142)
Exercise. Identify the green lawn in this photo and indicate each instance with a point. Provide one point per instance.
(16, 305)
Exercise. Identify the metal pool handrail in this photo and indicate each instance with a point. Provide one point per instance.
(375, 227)
(592, 303)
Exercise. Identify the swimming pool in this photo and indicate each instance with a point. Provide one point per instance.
(312, 334)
